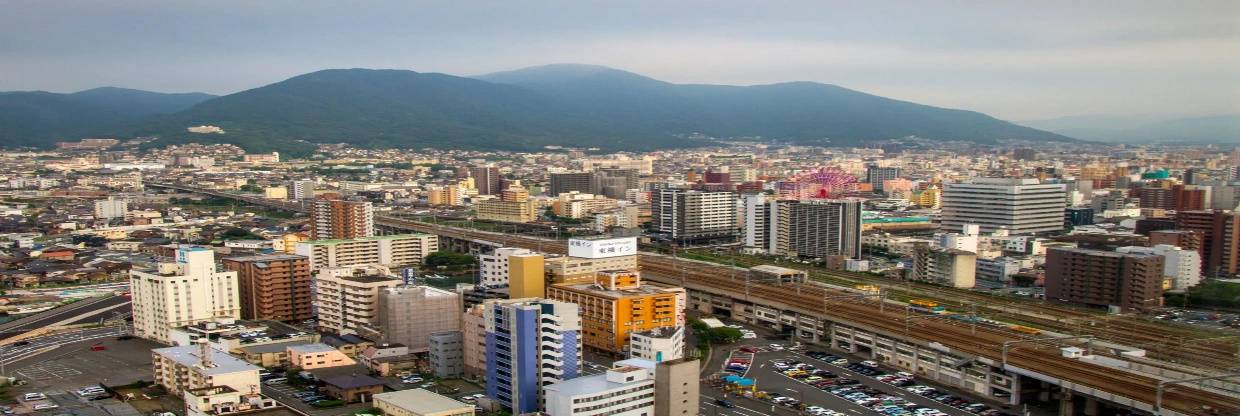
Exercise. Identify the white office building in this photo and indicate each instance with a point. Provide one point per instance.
(188, 291)
(659, 344)
(627, 389)
(1021, 206)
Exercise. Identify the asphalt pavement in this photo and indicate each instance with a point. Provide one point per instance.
(63, 313)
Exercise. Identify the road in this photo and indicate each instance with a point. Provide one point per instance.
(12, 353)
(89, 309)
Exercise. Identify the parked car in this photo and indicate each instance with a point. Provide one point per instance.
(30, 397)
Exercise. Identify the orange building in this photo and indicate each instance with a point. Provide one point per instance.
(336, 219)
(617, 304)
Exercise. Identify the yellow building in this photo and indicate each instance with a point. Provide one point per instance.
(276, 192)
(929, 198)
(617, 304)
(444, 195)
(506, 211)
(525, 276)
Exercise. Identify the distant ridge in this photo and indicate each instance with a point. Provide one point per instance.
(39, 118)
(562, 104)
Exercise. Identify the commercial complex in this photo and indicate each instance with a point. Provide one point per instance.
(336, 219)
(1020, 206)
(1104, 278)
(531, 343)
(410, 314)
(398, 250)
(185, 292)
(273, 286)
(632, 387)
(617, 304)
(347, 303)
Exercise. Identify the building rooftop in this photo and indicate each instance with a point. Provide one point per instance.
(374, 238)
(352, 381)
(266, 257)
(222, 363)
(598, 383)
(644, 289)
(311, 348)
(370, 279)
(270, 348)
(422, 401)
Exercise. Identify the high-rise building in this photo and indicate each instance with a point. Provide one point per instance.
(815, 228)
(875, 175)
(1020, 206)
(486, 179)
(757, 220)
(398, 250)
(273, 286)
(1104, 278)
(302, 189)
(189, 291)
(643, 166)
(1185, 239)
(617, 304)
(582, 182)
(410, 314)
(688, 215)
(106, 209)
(1220, 238)
(531, 343)
(347, 303)
(445, 353)
(614, 182)
(336, 219)
(1174, 197)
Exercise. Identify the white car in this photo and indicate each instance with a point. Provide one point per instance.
(45, 406)
(776, 347)
(30, 397)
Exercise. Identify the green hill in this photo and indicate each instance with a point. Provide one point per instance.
(38, 118)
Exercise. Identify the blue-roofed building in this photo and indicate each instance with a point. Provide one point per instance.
(531, 343)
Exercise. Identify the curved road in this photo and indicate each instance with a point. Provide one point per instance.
(93, 309)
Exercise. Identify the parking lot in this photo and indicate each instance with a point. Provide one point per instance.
(59, 372)
(800, 392)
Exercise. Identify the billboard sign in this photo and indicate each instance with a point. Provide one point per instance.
(602, 247)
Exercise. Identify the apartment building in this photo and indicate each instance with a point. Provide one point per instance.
(183, 368)
(315, 356)
(875, 175)
(273, 286)
(336, 219)
(530, 344)
(691, 215)
(347, 303)
(486, 179)
(513, 205)
(581, 182)
(185, 292)
(445, 195)
(398, 250)
(474, 342)
(1020, 206)
(658, 344)
(617, 304)
(1220, 238)
(1104, 278)
(945, 266)
(815, 228)
(410, 314)
(299, 190)
(111, 208)
(1181, 267)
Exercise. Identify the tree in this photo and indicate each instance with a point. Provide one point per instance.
(446, 258)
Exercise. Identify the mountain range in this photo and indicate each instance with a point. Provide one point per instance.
(565, 104)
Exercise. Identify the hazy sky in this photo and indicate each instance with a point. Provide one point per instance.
(1015, 60)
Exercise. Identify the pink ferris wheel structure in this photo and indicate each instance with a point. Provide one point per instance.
(823, 182)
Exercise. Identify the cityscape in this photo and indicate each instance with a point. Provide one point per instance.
(579, 240)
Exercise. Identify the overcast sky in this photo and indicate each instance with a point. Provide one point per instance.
(1016, 60)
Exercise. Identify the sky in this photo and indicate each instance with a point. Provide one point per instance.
(1017, 60)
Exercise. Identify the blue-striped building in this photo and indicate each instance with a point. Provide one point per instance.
(531, 343)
